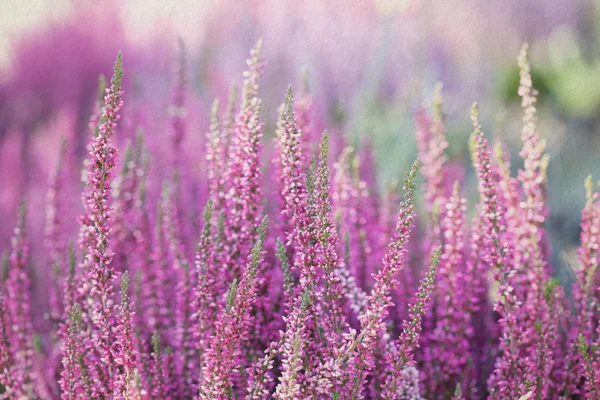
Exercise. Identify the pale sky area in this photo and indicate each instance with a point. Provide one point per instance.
(139, 16)
(18, 16)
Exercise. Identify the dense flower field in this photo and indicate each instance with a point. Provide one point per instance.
(298, 279)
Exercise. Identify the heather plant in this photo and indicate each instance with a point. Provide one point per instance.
(346, 292)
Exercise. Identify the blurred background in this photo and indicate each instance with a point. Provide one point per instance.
(369, 63)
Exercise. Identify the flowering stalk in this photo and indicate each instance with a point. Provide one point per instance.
(288, 278)
(293, 350)
(506, 378)
(177, 110)
(221, 358)
(259, 375)
(142, 249)
(127, 207)
(299, 204)
(532, 176)
(228, 120)
(361, 349)
(303, 108)
(291, 158)
(219, 152)
(479, 305)
(162, 278)
(530, 264)
(54, 244)
(54, 241)
(387, 221)
(125, 353)
(350, 197)
(432, 143)
(592, 385)
(448, 348)
(86, 239)
(586, 302)
(73, 383)
(244, 175)
(206, 295)
(214, 154)
(159, 380)
(186, 368)
(101, 273)
(301, 217)
(409, 338)
(547, 330)
(69, 290)
(226, 132)
(356, 298)
(18, 308)
(7, 378)
(334, 320)
(86, 230)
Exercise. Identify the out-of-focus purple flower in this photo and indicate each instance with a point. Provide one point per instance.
(243, 202)
(18, 313)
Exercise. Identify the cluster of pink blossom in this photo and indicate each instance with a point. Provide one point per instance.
(300, 281)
